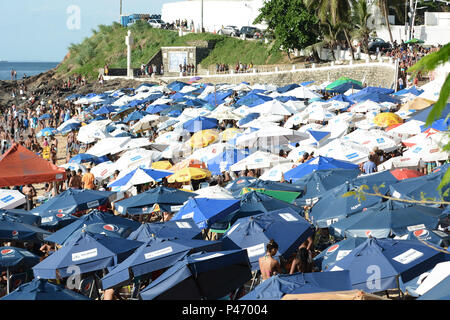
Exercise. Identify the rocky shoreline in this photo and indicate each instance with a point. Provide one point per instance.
(49, 86)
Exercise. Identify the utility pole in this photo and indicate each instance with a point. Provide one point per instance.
(201, 16)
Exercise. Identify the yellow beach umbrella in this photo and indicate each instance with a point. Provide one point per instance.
(161, 165)
(187, 174)
(193, 163)
(203, 138)
(417, 104)
(229, 133)
(387, 119)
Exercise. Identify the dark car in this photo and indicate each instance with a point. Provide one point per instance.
(379, 43)
(248, 32)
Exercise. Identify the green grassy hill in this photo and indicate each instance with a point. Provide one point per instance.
(107, 46)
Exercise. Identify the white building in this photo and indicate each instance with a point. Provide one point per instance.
(216, 13)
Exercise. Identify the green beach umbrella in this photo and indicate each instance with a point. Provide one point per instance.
(341, 81)
(286, 196)
(414, 40)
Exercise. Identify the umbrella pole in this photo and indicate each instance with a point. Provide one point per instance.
(7, 280)
(253, 281)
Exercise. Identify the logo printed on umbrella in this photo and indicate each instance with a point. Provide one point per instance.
(6, 251)
(60, 215)
(110, 227)
(15, 233)
(368, 233)
(421, 233)
(332, 249)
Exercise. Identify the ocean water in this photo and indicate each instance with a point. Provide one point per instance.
(28, 68)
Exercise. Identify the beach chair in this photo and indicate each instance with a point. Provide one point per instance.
(218, 231)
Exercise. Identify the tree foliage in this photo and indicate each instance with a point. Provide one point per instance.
(428, 63)
(293, 25)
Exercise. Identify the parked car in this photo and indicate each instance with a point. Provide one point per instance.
(232, 31)
(248, 32)
(379, 43)
(157, 23)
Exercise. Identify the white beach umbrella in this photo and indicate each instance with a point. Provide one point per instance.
(344, 150)
(427, 151)
(407, 129)
(103, 170)
(209, 152)
(10, 199)
(273, 136)
(399, 162)
(73, 166)
(373, 138)
(302, 93)
(109, 145)
(214, 192)
(145, 123)
(276, 173)
(297, 153)
(258, 159)
(137, 158)
(274, 107)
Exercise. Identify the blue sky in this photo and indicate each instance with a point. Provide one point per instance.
(37, 30)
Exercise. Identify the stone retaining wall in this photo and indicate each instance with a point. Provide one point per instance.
(372, 73)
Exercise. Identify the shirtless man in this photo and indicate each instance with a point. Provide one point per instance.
(28, 143)
(75, 181)
(267, 264)
(29, 191)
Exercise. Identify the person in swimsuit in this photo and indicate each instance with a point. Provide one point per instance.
(268, 265)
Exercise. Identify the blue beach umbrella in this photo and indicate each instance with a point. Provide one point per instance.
(176, 85)
(248, 118)
(69, 202)
(225, 160)
(333, 206)
(155, 254)
(253, 99)
(423, 186)
(386, 220)
(70, 127)
(200, 123)
(328, 257)
(314, 164)
(11, 228)
(90, 252)
(12, 258)
(253, 203)
(166, 198)
(277, 286)
(41, 289)
(287, 88)
(46, 132)
(139, 176)
(285, 226)
(45, 116)
(201, 276)
(238, 184)
(180, 229)
(23, 215)
(435, 237)
(389, 261)
(205, 211)
(107, 221)
(152, 109)
(134, 116)
(318, 182)
(104, 110)
(83, 158)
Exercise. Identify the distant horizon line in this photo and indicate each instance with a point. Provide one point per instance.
(29, 61)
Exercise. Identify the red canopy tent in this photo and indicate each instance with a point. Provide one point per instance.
(19, 166)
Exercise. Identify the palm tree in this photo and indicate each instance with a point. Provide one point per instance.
(384, 7)
(334, 12)
(361, 17)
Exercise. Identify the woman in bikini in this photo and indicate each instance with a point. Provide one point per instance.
(267, 264)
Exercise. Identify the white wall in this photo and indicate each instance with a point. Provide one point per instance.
(432, 35)
(215, 13)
